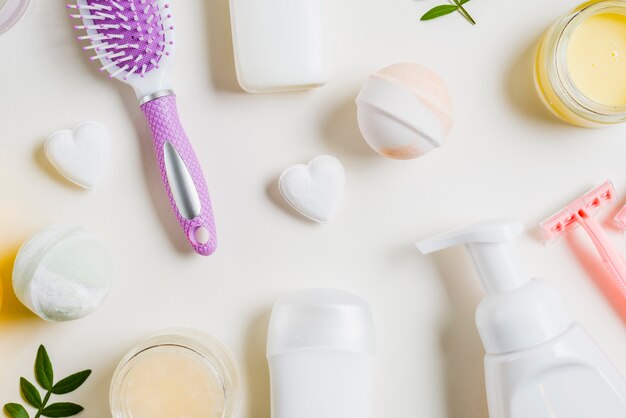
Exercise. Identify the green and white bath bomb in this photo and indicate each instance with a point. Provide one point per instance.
(63, 273)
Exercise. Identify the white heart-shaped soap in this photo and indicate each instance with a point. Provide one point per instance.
(315, 190)
(81, 154)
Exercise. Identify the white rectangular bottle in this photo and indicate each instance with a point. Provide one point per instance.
(321, 345)
(279, 45)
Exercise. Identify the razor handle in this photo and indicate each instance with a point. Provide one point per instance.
(181, 172)
(611, 258)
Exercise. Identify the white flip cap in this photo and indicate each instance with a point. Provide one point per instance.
(324, 319)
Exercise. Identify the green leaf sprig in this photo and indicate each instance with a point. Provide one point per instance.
(446, 9)
(45, 377)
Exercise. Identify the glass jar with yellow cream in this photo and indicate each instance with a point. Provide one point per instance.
(180, 373)
(580, 71)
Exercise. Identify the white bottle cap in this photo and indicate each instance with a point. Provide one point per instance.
(321, 318)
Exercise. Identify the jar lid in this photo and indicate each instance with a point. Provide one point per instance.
(11, 11)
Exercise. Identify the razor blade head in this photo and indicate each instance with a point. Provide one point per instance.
(588, 204)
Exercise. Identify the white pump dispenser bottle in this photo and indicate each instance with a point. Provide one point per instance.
(539, 363)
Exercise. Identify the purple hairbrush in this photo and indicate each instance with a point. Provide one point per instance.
(133, 39)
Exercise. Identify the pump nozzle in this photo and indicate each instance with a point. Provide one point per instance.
(489, 244)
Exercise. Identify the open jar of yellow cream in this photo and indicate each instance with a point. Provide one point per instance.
(180, 373)
(580, 71)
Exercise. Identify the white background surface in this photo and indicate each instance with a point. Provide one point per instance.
(506, 157)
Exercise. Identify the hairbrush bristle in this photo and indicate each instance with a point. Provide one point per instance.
(128, 36)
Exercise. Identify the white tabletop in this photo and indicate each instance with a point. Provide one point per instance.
(506, 157)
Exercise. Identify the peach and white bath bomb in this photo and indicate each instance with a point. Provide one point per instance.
(404, 111)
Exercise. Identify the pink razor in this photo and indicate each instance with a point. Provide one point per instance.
(133, 39)
(580, 212)
(620, 218)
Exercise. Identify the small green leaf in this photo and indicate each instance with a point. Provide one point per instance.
(435, 12)
(463, 1)
(30, 393)
(61, 409)
(15, 410)
(43, 369)
(464, 12)
(71, 383)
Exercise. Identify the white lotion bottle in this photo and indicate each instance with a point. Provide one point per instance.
(320, 349)
(279, 45)
(539, 363)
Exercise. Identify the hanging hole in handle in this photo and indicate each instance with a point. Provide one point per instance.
(199, 235)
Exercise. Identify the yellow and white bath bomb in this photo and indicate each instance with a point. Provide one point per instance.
(62, 273)
(404, 111)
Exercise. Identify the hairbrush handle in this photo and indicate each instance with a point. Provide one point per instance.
(181, 172)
